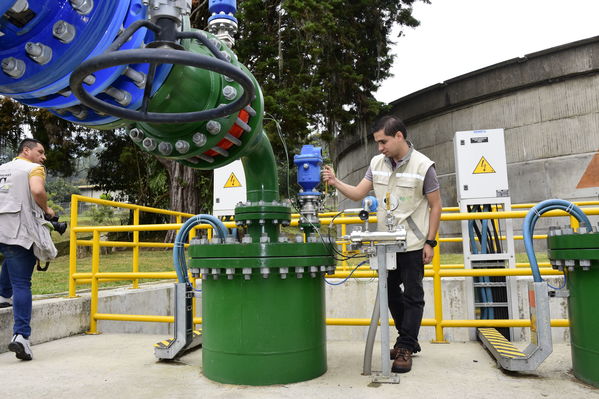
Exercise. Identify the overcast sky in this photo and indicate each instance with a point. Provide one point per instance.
(459, 36)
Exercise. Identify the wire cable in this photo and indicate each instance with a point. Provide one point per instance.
(280, 133)
(348, 277)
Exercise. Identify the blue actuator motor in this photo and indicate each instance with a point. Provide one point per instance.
(308, 164)
(369, 204)
(222, 9)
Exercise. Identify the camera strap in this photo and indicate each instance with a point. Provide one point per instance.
(40, 268)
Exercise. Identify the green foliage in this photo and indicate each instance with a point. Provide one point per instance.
(56, 207)
(100, 214)
(64, 141)
(319, 61)
(11, 128)
(60, 190)
(133, 174)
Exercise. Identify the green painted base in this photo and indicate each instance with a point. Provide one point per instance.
(249, 369)
(584, 364)
(264, 331)
(584, 324)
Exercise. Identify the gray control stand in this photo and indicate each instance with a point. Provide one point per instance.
(381, 248)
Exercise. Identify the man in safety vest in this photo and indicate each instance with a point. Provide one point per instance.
(408, 178)
(24, 236)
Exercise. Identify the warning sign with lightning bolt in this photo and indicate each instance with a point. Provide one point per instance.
(483, 166)
(232, 181)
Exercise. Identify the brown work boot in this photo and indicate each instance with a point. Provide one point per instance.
(403, 361)
(393, 353)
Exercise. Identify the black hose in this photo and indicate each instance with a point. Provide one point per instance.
(161, 56)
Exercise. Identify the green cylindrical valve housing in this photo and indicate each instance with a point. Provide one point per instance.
(578, 255)
(263, 309)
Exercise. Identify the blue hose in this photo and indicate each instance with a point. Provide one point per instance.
(181, 239)
(473, 245)
(531, 219)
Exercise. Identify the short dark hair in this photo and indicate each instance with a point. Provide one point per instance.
(28, 143)
(390, 125)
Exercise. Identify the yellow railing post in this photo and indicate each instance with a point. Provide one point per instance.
(73, 246)
(136, 247)
(438, 294)
(574, 223)
(344, 265)
(93, 324)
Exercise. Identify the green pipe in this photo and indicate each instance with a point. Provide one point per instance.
(261, 171)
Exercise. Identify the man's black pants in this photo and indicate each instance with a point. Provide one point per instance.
(407, 304)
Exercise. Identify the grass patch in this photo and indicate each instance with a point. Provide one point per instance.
(56, 279)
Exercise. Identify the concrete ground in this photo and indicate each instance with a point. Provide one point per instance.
(123, 366)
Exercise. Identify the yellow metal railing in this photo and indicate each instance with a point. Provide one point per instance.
(436, 271)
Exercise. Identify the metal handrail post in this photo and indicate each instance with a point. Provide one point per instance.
(438, 294)
(136, 247)
(73, 246)
(93, 324)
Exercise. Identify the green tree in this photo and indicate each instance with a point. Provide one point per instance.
(11, 128)
(60, 190)
(319, 62)
(64, 141)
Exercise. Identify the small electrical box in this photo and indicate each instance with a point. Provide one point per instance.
(481, 167)
(229, 189)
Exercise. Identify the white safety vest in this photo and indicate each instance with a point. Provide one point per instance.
(21, 218)
(404, 185)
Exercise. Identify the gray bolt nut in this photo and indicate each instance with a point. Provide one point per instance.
(165, 148)
(20, 6)
(182, 146)
(13, 67)
(63, 31)
(229, 92)
(149, 144)
(38, 52)
(83, 7)
(136, 135)
(199, 139)
(213, 127)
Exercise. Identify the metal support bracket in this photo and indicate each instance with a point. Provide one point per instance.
(185, 337)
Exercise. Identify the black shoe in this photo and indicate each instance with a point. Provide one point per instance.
(5, 302)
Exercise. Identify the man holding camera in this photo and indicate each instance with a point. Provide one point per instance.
(24, 236)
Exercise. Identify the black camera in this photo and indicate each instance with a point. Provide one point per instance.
(60, 227)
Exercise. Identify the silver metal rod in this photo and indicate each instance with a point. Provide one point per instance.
(384, 310)
(374, 321)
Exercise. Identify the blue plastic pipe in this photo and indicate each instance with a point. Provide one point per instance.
(181, 239)
(531, 219)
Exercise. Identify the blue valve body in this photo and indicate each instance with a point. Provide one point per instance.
(46, 85)
(308, 164)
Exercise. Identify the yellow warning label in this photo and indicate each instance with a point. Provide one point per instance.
(232, 181)
(483, 166)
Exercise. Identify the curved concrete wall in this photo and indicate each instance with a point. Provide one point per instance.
(547, 102)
